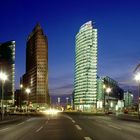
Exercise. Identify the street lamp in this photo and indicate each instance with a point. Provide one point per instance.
(21, 92)
(137, 78)
(67, 102)
(58, 101)
(21, 86)
(28, 91)
(104, 87)
(108, 90)
(3, 78)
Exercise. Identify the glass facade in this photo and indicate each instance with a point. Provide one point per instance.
(36, 76)
(7, 65)
(112, 100)
(85, 82)
(128, 98)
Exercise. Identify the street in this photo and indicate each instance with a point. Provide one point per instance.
(70, 127)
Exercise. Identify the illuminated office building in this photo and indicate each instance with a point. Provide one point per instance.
(85, 82)
(7, 65)
(36, 76)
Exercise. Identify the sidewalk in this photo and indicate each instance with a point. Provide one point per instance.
(10, 118)
(128, 117)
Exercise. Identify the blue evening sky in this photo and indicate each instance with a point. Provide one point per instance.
(117, 21)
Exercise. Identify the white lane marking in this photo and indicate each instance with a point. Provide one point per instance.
(68, 117)
(21, 123)
(115, 127)
(73, 121)
(87, 138)
(78, 127)
(4, 129)
(39, 129)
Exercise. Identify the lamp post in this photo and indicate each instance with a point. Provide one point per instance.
(3, 78)
(21, 87)
(67, 101)
(137, 78)
(104, 87)
(58, 101)
(28, 91)
(131, 99)
(108, 90)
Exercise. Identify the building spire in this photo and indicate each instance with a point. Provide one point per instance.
(37, 27)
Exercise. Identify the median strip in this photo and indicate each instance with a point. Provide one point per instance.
(87, 138)
(78, 127)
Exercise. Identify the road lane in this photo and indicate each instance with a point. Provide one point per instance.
(19, 131)
(70, 127)
(102, 127)
(57, 127)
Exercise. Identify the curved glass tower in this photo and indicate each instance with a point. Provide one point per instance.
(85, 82)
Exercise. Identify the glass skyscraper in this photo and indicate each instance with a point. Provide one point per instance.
(36, 76)
(85, 82)
(7, 65)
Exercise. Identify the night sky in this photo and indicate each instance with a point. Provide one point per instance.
(117, 21)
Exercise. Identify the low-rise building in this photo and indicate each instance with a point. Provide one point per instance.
(112, 100)
(128, 99)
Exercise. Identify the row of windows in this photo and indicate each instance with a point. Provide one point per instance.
(88, 57)
(86, 32)
(86, 71)
(86, 51)
(85, 47)
(88, 91)
(86, 62)
(82, 42)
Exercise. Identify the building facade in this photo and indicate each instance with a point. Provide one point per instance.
(112, 100)
(85, 82)
(128, 99)
(7, 65)
(36, 76)
(18, 97)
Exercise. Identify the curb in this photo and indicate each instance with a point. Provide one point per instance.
(10, 120)
(128, 119)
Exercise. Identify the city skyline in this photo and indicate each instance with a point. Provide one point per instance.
(118, 39)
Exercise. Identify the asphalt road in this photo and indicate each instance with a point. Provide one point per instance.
(108, 128)
(70, 127)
